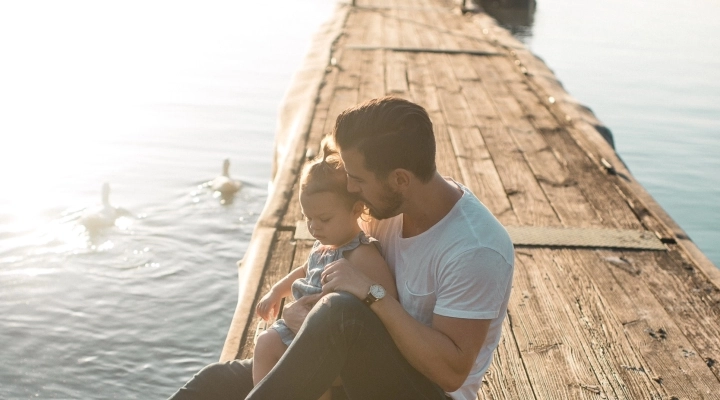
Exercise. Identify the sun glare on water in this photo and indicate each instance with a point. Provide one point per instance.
(79, 81)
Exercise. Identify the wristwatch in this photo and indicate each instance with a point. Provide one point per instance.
(376, 293)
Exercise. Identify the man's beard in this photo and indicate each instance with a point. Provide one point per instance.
(388, 204)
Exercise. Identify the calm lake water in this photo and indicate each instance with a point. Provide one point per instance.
(151, 97)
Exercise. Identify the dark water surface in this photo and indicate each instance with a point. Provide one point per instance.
(152, 96)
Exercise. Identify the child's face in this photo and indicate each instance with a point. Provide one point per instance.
(328, 218)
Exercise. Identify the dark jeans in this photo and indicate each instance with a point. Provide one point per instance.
(340, 337)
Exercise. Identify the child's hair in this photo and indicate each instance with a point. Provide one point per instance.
(326, 173)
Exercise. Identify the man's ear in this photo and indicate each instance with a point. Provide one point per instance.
(400, 179)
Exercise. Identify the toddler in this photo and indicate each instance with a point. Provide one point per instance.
(331, 213)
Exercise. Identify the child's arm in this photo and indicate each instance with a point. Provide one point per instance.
(269, 306)
(367, 259)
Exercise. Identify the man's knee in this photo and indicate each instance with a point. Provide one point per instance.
(341, 301)
(342, 308)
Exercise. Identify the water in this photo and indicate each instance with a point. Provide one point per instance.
(152, 96)
(651, 73)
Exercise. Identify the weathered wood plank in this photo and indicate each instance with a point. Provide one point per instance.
(422, 88)
(321, 118)
(548, 166)
(391, 24)
(525, 193)
(375, 28)
(478, 172)
(548, 123)
(409, 36)
(591, 180)
(447, 164)
(470, 33)
(691, 301)
(463, 70)
(396, 82)
(523, 95)
(552, 354)
(355, 28)
(293, 213)
(614, 358)
(475, 167)
(460, 33)
(445, 157)
(372, 78)
(507, 378)
(427, 32)
(279, 264)
(582, 126)
(442, 73)
(348, 78)
(653, 330)
(344, 94)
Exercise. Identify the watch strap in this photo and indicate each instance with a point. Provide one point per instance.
(369, 299)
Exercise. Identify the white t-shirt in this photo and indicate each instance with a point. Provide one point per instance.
(461, 267)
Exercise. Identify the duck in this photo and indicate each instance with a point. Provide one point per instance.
(223, 183)
(102, 216)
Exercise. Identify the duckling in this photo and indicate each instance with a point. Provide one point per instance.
(223, 183)
(102, 216)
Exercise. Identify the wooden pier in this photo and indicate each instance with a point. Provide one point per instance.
(593, 314)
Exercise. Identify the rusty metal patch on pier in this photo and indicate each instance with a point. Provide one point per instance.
(561, 237)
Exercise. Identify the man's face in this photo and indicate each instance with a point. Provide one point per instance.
(380, 198)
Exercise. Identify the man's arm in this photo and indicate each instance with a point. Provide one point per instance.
(444, 352)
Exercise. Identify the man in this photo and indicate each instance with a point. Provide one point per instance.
(453, 265)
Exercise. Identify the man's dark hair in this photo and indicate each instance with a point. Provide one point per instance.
(390, 133)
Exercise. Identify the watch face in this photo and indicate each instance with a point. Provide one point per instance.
(377, 291)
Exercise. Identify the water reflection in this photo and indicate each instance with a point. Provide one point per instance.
(515, 15)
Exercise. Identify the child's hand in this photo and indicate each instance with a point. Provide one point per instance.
(269, 306)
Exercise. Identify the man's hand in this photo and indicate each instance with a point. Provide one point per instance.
(294, 313)
(341, 276)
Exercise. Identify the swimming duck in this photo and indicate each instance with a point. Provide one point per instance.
(223, 183)
(102, 216)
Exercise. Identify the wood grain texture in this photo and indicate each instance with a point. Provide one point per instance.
(279, 264)
(582, 324)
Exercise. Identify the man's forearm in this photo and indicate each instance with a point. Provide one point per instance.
(431, 351)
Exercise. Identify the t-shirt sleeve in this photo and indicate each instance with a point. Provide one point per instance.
(474, 285)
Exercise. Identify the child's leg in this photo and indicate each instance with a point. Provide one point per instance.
(268, 350)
